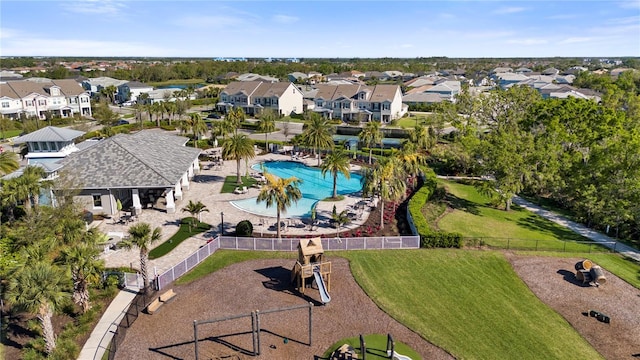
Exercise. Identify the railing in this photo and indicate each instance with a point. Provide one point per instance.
(542, 245)
(272, 244)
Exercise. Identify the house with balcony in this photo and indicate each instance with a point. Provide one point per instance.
(351, 102)
(255, 96)
(63, 98)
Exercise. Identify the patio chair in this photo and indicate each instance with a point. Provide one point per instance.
(237, 191)
(245, 190)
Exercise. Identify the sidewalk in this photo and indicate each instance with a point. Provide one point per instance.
(579, 229)
(101, 335)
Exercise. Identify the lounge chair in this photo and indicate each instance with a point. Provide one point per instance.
(245, 190)
(237, 191)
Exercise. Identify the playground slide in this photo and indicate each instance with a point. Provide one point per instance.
(324, 295)
(397, 356)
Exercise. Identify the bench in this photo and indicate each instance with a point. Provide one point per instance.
(160, 300)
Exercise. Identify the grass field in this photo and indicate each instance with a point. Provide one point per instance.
(184, 232)
(230, 183)
(474, 216)
(11, 133)
(471, 303)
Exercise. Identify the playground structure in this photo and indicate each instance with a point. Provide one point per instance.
(311, 263)
(346, 352)
(256, 329)
(587, 272)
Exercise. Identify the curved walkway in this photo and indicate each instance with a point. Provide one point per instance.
(579, 229)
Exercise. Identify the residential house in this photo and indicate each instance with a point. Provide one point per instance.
(138, 169)
(360, 102)
(131, 90)
(62, 98)
(256, 77)
(506, 79)
(297, 77)
(446, 89)
(255, 96)
(94, 85)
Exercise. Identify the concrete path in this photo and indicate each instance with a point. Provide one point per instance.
(102, 334)
(579, 228)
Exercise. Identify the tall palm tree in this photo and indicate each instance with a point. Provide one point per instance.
(198, 127)
(8, 162)
(371, 135)
(281, 193)
(195, 209)
(318, 134)
(410, 160)
(142, 237)
(86, 268)
(421, 137)
(38, 289)
(266, 125)
(238, 147)
(384, 180)
(234, 118)
(111, 91)
(337, 161)
(32, 181)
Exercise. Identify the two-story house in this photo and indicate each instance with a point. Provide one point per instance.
(255, 96)
(62, 98)
(130, 91)
(359, 102)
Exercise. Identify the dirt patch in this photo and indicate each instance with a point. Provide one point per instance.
(553, 281)
(263, 285)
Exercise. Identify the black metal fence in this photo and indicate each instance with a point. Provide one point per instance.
(129, 316)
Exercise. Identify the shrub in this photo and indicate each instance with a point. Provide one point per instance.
(244, 228)
(441, 240)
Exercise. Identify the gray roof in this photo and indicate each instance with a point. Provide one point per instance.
(50, 133)
(147, 159)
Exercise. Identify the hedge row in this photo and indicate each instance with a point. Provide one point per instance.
(428, 237)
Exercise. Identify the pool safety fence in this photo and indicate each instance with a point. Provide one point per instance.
(274, 244)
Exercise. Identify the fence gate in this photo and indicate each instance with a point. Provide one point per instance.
(133, 280)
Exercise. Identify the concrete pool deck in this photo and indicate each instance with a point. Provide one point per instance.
(206, 187)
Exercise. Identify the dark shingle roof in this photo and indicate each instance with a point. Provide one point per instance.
(143, 160)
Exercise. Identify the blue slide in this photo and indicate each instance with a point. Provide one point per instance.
(324, 295)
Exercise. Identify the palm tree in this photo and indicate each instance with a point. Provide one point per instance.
(111, 91)
(198, 127)
(238, 147)
(37, 289)
(371, 135)
(266, 125)
(317, 134)
(411, 161)
(85, 265)
(386, 181)
(32, 182)
(340, 219)
(421, 137)
(234, 118)
(336, 162)
(157, 109)
(8, 162)
(195, 209)
(142, 237)
(281, 193)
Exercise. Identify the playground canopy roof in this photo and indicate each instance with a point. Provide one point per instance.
(311, 246)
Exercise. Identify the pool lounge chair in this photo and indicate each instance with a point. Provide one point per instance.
(237, 191)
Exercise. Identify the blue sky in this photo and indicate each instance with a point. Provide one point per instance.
(320, 28)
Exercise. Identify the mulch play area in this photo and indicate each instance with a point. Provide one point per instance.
(262, 285)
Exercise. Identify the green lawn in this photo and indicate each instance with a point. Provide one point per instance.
(184, 232)
(11, 133)
(177, 82)
(470, 303)
(223, 258)
(230, 183)
(474, 216)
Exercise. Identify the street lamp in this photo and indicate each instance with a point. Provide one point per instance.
(222, 223)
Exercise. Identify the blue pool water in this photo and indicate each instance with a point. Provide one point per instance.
(314, 188)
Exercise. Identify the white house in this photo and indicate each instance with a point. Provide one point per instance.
(130, 91)
(62, 98)
(359, 102)
(94, 85)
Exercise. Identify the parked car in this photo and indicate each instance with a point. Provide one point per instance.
(122, 122)
(213, 116)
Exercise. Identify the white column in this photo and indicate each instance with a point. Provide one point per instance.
(196, 166)
(171, 205)
(190, 172)
(136, 200)
(178, 190)
(185, 181)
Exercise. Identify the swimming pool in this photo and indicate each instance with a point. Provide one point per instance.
(314, 188)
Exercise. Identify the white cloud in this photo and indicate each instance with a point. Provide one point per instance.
(630, 4)
(527, 41)
(209, 21)
(509, 10)
(102, 7)
(285, 19)
(574, 40)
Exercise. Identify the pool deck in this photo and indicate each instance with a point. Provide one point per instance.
(205, 187)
